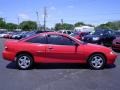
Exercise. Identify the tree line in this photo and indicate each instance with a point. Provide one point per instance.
(115, 25)
(25, 25)
(32, 25)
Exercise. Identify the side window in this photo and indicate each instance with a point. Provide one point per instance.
(67, 41)
(109, 33)
(38, 39)
(59, 40)
(54, 39)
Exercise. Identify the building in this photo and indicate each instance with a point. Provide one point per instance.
(84, 29)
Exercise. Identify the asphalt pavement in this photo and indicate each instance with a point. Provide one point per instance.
(58, 76)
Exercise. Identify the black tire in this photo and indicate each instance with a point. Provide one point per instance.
(22, 63)
(98, 63)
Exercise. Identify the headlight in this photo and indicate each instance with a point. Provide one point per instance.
(96, 38)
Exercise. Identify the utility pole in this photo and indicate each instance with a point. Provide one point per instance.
(45, 15)
(18, 19)
(62, 22)
(38, 21)
(4, 19)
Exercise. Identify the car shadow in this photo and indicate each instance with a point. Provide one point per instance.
(61, 66)
(12, 65)
(110, 66)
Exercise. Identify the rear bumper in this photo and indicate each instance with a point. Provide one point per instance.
(8, 55)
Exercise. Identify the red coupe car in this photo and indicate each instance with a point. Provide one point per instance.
(54, 47)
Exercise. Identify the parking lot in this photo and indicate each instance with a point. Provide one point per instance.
(58, 76)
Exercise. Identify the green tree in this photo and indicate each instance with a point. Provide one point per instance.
(28, 25)
(78, 24)
(65, 26)
(110, 25)
(2, 23)
(58, 26)
(68, 26)
(11, 26)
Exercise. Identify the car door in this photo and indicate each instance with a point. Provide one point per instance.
(37, 46)
(62, 49)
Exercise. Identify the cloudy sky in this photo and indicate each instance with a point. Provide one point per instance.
(71, 11)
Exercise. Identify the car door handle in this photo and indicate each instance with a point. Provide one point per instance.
(50, 48)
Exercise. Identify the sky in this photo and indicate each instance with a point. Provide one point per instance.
(71, 11)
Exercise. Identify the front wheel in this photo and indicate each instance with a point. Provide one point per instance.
(24, 61)
(96, 61)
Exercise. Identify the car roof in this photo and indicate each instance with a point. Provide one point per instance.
(54, 33)
(47, 33)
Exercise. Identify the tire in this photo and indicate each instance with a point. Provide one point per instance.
(24, 61)
(97, 61)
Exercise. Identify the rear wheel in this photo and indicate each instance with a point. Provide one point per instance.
(24, 61)
(96, 61)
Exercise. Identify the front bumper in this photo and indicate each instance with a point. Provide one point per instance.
(111, 58)
(8, 55)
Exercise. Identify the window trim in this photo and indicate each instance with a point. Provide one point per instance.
(62, 36)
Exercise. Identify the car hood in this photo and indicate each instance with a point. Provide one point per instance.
(11, 41)
(94, 47)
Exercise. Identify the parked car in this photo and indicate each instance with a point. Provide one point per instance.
(54, 47)
(65, 31)
(79, 35)
(104, 37)
(2, 34)
(16, 35)
(19, 35)
(116, 44)
(117, 34)
(8, 34)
